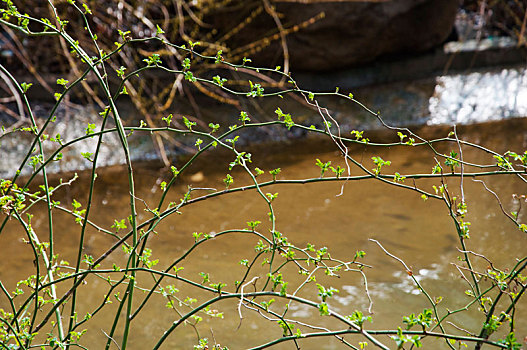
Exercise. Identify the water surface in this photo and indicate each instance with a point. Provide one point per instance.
(421, 233)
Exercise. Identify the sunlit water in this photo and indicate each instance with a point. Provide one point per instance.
(420, 233)
(457, 98)
(479, 96)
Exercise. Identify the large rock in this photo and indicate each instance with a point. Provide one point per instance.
(350, 32)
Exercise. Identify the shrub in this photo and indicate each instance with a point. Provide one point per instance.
(43, 310)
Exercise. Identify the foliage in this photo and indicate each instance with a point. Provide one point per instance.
(187, 23)
(43, 310)
(491, 18)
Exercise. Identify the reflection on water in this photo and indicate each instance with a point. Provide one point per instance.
(418, 232)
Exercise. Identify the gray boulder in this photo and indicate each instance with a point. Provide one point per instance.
(348, 34)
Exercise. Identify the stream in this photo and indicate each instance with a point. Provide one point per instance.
(420, 233)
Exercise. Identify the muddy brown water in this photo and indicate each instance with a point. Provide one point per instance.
(420, 233)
